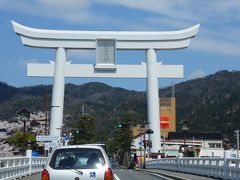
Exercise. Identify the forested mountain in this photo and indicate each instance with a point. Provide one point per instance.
(100, 100)
(6, 92)
(211, 104)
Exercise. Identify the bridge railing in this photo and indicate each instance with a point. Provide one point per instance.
(225, 168)
(16, 167)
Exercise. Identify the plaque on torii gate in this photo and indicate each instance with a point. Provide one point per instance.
(106, 43)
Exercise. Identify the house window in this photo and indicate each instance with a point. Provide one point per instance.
(211, 145)
(214, 145)
(218, 145)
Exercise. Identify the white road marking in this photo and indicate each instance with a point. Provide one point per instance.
(116, 177)
(159, 175)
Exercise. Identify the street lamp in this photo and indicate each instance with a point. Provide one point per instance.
(185, 128)
(237, 132)
(24, 114)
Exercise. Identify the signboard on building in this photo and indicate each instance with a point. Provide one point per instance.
(50, 145)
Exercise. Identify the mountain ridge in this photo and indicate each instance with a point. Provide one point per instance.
(211, 103)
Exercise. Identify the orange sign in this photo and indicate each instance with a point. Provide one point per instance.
(164, 122)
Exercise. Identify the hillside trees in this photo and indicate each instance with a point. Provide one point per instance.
(20, 140)
(122, 138)
(210, 103)
(85, 130)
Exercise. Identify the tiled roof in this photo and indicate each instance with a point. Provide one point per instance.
(191, 135)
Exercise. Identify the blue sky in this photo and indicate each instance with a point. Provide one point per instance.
(216, 47)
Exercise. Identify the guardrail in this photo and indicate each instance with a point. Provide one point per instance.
(224, 168)
(17, 167)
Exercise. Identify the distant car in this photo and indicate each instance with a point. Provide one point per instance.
(104, 146)
(78, 162)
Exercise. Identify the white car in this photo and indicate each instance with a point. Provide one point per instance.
(78, 162)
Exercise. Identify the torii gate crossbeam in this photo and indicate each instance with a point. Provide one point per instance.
(62, 40)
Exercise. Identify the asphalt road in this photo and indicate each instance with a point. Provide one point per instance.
(123, 174)
(154, 174)
(119, 174)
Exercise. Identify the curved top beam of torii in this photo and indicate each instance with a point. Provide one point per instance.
(134, 40)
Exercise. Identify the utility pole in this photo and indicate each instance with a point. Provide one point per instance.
(173, 90)
(164, 143)
(46, 112)
(83, 109)
(140, 145)
(144, 139)
(237, 132)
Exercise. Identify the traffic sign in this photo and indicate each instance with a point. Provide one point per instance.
(50, 145)
(47, 138)
(66, 138)
(164, 122)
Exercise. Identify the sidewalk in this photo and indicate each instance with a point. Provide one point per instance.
(176, 175)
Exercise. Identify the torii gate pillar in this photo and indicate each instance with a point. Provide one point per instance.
(106, 42)
(56, 119)
(153, 100)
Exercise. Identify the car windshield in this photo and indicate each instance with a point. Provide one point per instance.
(77, 158)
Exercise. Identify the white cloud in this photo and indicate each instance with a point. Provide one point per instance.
(197, 74)
(216, 46)
(219, 32)
(185, 9)
(165, 7)
(166, 23)
(23, 62)
(63, 4)
(82, 10)
(69, 11)
(82, 55)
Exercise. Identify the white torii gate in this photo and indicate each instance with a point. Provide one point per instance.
(105, 42)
